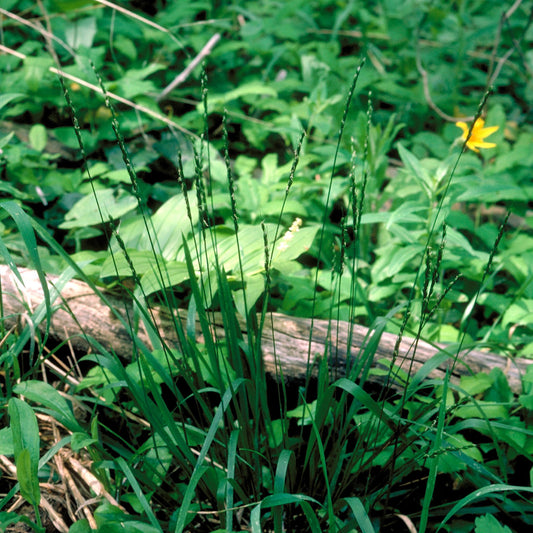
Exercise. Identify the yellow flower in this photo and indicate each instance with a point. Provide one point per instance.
(479, 132)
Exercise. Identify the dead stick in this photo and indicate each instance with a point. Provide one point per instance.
(180, 78)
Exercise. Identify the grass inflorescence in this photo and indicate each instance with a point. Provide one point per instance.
(192, 430)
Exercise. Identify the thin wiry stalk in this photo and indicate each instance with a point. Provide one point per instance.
(407, 313)
(336, 282)
(162, 273)
(290, 181)
(133, 177)
(134, 182)
(281, 389)
(410, 300)
(77, 130)
(235, 218)
(347, 106)
(486, 272)
(357, 203)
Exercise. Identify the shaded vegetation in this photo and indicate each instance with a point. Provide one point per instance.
(316, 162)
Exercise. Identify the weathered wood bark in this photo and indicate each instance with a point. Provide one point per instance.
(285, 342)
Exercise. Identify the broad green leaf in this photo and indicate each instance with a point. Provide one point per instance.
(27, 477)
(120, 265)
(80, 32)
(130, 88)
(405, 213)
(6, 441)
(254, 288)
(449, 460)
(36, 69)
(81, 526)
(251, 251)
(526, 400)
(492, 191)
(482, 409)
(67, 136)
(167, 227)
(293, 244)
(512, 432)
(417, 170)
(500, 390)
(99, 207)
(304, 413)
(25, 429)
(8, 519)
(70, 5)
(395, 259)
(6, 139)
(462, 245)
(477, 384)
(26, 444)
(8, 97)
(489, 524)
(145, 72)
(173, 273)
(519, 313)
(38, 137)
(173, 220)
(81, 440)
(520, 154)
(45, 394)
(254, 88)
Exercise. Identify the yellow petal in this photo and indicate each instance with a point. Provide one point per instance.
(463, 126)
(477, 132)
(483, 144)
(487, 131)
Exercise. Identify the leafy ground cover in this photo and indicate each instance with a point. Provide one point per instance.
(325, 161)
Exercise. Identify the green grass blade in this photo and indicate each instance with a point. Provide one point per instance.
(4, 252)
(482, 493)
(365, 399)
(202, 315)
(24, 224)
(285, 499)
(434, 460)
(360, 514)
(198, 471)
(231, 462)
(280, 480)
(323, 465)
(138, 492)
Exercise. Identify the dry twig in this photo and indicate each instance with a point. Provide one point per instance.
(180, 78)
(491, 77)
(113, 96)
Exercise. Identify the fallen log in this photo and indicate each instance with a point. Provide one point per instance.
(287, 346)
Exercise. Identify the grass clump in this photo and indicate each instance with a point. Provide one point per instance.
(322, 207)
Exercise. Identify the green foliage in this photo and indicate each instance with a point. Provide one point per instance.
(489, 524)
(209, 198)
(25, 432)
